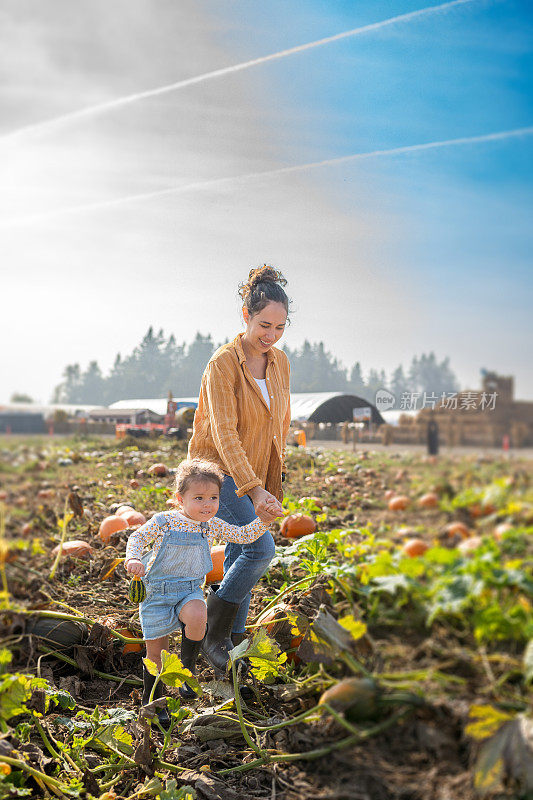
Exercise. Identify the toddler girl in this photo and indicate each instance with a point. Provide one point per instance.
(176, 565)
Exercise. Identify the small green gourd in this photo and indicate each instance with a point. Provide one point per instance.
(137, 590)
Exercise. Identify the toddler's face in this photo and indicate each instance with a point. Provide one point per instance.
(200, 501)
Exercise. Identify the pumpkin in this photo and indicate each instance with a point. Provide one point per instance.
(137, 590)
(64, 632)
(467, 546)
(75, 548)
(134, 483)
(130, 647)
(296, 525)
(120, 510)
(280, 630)
(457, 529)
(111, 525)
(133, 518)
(429, 500)
(357, 698)
(501, 529)
(158, 469)
(114, 624)
(415, 547)
(481, 510)
(216, 573)
(399, 502)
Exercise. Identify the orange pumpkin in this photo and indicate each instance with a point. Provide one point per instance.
(133, 518)
(501, 529)
(468, 546)
(415, 547)
(158, 469)
(76, 548)
(216, 574)
(430, 500)
(296, 525)
(399, 502)
(457, 529)
(480, 510)
(111, 525)
(275, 628)
(123, 509)
(129, 647)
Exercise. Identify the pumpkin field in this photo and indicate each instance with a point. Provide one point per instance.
(390, 642)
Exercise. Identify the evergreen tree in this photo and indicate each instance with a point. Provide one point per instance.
(427, 375)
(356, 384)
(92, 385)
(398, 383)
(373, 383)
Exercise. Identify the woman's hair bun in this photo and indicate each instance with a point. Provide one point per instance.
(264, 274)
(264, 285)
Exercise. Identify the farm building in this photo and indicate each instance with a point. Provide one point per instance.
(125, 416)
(156, 405)
(327, 407)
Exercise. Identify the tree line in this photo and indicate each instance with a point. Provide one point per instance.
(159, 365)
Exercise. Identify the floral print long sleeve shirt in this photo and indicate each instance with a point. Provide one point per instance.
(153, 532)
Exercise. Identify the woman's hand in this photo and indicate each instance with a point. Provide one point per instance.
(135, 567)
(267, 507)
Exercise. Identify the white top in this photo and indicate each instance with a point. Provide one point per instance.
(261, 382)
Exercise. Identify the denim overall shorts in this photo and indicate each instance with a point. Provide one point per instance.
(175, 577)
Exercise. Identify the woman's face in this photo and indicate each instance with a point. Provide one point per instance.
(266, 327)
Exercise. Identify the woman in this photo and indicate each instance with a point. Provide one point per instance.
(241, 424)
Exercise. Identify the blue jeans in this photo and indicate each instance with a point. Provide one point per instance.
(243, 563)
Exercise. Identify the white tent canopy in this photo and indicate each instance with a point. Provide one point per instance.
(157, 405)
(305, 406)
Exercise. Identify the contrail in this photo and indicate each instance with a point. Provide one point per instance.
(100, 108)
(221, 182)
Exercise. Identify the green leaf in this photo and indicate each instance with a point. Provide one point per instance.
(354, 626)
(173, 673)
(60, 697)
(15, 690)
(485, 721)
(117, 737)
(151, 666)
(6, 657)
(389, 584)
(507, 756)
(260, 647)
(173, 793)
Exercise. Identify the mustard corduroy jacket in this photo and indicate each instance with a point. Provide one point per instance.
(233, 425)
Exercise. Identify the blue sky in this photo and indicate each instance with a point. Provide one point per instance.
(386, 258)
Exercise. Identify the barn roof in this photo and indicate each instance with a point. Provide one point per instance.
(329, 407)
(305, 406)
(157, 405)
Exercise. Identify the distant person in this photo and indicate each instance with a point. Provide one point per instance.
(433, 437)
(241, 423)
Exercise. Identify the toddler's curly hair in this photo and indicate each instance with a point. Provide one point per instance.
(197, 470)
